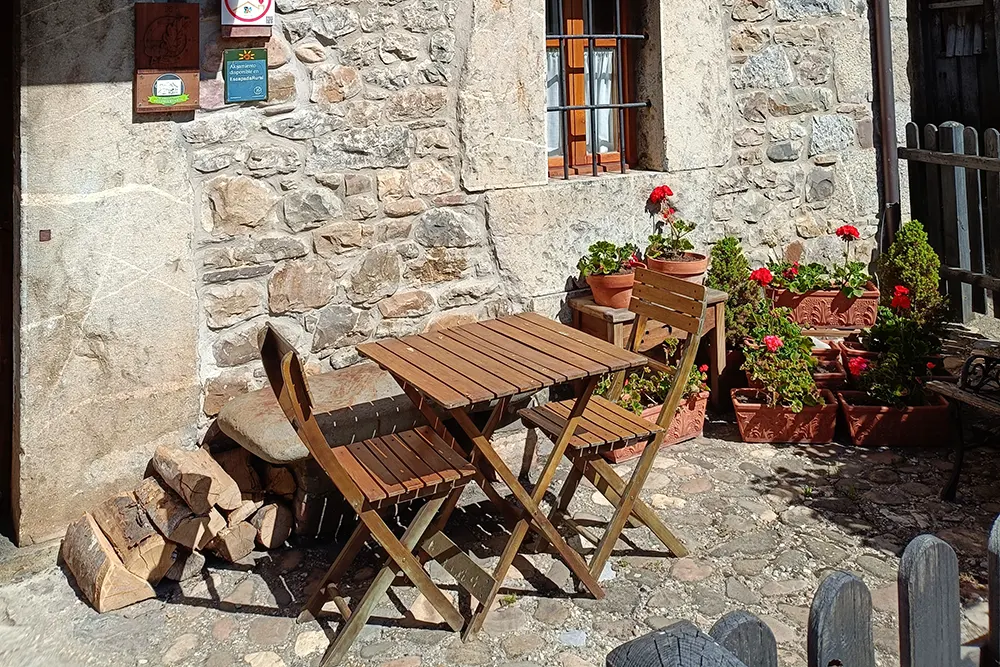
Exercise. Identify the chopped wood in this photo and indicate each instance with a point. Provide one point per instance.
(174, 518)
(244, 511)
(98, 571)
(144, 552)
(233, 544)
(274, 524)
(279, 481)
(187, 565)
(238, 463)
(199, 480)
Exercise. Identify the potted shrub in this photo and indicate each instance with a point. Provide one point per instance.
(669, 248)
(787, 406)
(644, 393)
(730, 272)
(890, 407)
(610, 271)
(841, 296)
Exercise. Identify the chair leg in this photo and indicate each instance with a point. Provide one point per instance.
(340, 564)
(602, 486)
(395, 550)
(951, 489)
(599, 471)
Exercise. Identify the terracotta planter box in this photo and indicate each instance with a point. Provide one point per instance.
(850, 350)
(758, 423)
(880, 426)
(688, 423)
(830, 374)
(828, 308)
(692, 269)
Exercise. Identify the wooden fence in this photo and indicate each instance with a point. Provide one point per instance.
(840, 622)
(954, 176)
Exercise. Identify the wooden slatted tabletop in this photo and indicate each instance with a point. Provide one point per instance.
(480, 362)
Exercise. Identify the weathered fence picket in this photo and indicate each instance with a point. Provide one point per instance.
(929, 630)
(746, 637)
(954, 177)
(840, 622)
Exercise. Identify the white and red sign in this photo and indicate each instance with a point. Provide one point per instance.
(248, 12)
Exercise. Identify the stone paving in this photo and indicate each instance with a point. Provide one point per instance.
(764, 524)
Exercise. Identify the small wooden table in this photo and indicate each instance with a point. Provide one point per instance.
(448, 372)
(615, 324)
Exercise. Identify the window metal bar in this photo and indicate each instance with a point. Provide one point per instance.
(620, 76)
(590, 84)
(598, 36)
(563, 93)
(588, 107)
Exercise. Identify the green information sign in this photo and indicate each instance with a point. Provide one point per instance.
(245, 71)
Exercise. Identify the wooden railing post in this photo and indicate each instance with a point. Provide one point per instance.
(993, 646)
(955, 209)
(840, 623)
(991, 223)
(932, 194)
(929, 631)
(977, 252)
(746, 637)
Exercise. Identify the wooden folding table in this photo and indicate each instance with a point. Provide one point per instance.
(448, 372)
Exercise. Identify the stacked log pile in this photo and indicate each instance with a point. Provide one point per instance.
(194, 503)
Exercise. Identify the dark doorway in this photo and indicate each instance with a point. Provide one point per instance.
(953, 56)
(9, 256)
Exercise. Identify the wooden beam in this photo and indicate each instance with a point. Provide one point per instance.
(976, 279)
(949, 159)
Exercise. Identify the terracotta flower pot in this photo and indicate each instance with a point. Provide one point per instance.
(688, 423)
(613, 291)
(692, 268)
(852, 349)
(881, 426)
(828, 307)
(759, 423)
(830, 373)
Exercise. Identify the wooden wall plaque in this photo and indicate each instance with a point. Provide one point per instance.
(167, 57)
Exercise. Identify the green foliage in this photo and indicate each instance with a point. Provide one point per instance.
(607, 259)
(786, 372)
(850, 277)
(674, 244)
(911, 261)
(904, 345)
(647, 387)
(730, 272)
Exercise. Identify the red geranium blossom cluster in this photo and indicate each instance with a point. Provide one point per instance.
(660, 193)
(703, 368)
(791, 271)
(931, 365)
(901, 298)
(848, 232)
(762, 276)
(773, 343)
(857, 365)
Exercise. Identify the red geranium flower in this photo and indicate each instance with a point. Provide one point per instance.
(848, 232)
(901, 301)
(931, 365)
(773, 343)
(703, 368)
(762, 276)
(791, 271)
(857, 365)
(901, 291)
(660, 193)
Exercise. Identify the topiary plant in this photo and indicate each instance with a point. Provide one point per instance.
(730, 272)
(911, 262)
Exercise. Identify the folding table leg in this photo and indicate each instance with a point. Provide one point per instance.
(340, 564)
(400, 553)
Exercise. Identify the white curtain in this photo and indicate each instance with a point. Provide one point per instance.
(554, 119)
(604, 91)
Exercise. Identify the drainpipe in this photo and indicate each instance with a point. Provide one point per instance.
(891, 211)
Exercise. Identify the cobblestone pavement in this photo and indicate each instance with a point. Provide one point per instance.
(764, 524)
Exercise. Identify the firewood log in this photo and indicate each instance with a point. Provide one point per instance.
(233, 544)
(142, 549)
(238, 463)
(279, 481)
(171, 515)
(197, 478)
(98, 571)
(274, 524)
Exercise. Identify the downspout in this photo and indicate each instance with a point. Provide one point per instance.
(891, 211)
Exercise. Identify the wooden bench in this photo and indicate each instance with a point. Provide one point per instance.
(977, 387)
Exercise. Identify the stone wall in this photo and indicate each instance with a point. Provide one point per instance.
(394, 182)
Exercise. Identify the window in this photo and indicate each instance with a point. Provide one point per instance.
(574, 124)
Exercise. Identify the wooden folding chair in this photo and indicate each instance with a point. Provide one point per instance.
(607, 426)
(373, 476)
